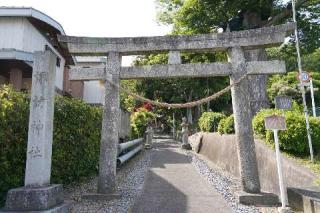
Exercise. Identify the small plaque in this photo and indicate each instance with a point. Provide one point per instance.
(275, 122)
(283, 102)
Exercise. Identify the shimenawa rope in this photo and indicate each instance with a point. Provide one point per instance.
(180, 105)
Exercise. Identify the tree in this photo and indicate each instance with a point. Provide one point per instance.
(205, 16)
(185, 89)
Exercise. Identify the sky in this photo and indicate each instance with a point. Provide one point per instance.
(99, 18)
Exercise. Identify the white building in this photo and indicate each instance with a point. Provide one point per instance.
(22, 32)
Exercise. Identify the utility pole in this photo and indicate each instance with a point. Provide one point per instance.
(303, 91)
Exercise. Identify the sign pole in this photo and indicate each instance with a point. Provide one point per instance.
(276, 123)
(302, 87)
(174, 126)
(312, 99)
(280, 174)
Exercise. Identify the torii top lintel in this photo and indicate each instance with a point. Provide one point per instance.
(247, 39)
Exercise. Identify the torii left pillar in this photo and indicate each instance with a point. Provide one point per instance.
(109, 132)
(110, 127)
(38, 195)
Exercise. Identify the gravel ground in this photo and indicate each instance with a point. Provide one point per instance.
(226, 185)
(130, 178)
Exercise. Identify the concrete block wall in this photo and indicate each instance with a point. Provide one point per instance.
(222, 150)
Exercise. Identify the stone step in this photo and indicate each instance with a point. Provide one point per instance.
(304, 199)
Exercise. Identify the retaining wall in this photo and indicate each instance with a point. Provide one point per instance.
(222, 150)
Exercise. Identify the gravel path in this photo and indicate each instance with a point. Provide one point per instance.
(221, 182)
(130, 178)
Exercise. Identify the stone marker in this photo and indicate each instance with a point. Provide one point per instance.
(38, 194)
(185, 134)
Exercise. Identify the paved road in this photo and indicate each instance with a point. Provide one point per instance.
(173, 185)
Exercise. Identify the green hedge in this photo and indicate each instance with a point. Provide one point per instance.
(226, 125)
(139, 122)
(75, 154)
(294, 139)
(209, 121)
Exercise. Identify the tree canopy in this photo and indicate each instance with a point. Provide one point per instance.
(207, 16)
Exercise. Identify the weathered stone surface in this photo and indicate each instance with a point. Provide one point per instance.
(311, 205)
(253, 39)
(258, 83)
(34, 199)
(285, 210)
(243, 125)
(110, 127)
(174, 57)
(257, 199)
(298, 197)
(178, 70)
(40, 135)
(63, 208)
(186, 146)
(196, 141)
(86, 73)
(99, 197)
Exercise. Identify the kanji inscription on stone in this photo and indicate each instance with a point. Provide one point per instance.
(275, 122)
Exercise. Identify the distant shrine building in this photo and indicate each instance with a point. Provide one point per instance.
(26, 30)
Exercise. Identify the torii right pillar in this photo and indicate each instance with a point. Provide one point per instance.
(251, 194)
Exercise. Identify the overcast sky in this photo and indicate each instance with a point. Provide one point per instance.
(99, 17)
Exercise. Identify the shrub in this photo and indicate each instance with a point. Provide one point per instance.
(76, 139)
(139, 122)
(226, 125)
(209, 121)
(294, 138)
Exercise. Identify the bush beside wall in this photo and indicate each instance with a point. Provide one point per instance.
(294, 139)
(226, 125)
(76, 140)
(139, 122)
(209, 121)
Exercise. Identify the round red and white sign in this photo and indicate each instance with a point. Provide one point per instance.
(304, 77)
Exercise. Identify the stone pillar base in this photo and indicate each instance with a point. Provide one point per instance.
(104, 197)
(260, 199)
(186, 146)
(285, 210)
(36, 199)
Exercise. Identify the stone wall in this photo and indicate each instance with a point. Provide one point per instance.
(221, 149)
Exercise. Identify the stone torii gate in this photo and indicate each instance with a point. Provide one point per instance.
(233, 42)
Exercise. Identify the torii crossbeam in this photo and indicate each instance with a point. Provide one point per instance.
(233, 42)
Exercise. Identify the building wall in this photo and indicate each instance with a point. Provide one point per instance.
(93, 92)
(18, 33)
(11, 33)
(75, 88)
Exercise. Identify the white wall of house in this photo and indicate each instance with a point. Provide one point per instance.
(18, 33)
(93, 92)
